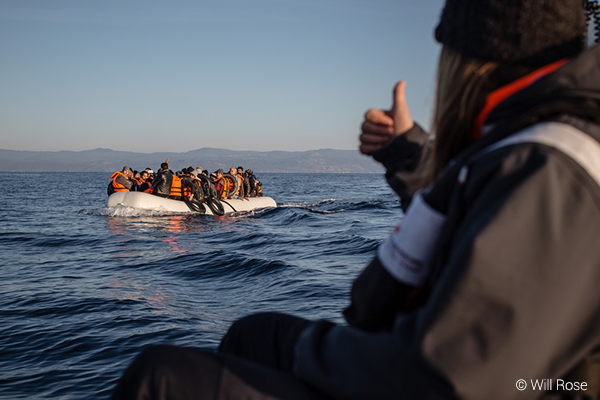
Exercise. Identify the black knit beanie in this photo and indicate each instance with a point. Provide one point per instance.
(526, 32)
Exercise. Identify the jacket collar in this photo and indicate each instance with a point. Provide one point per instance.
(501, 94)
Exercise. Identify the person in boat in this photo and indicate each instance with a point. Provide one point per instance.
(204, 190)
(214, 181)
(233, 173)
(254, 184)
(121, 181)
(239, 193)
(163, 181)
(188, 184)
(490, 280)
(181, 186)
(196, 186)
(203, 186)
(146, 182)
(150, 174)
(245, 186)
(221, 184)
(136, 181)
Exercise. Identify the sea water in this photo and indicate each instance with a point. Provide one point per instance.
(83, 287)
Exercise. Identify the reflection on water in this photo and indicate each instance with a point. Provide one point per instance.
(152, 222)
(127, 286)
(119, 225)
(131, 226)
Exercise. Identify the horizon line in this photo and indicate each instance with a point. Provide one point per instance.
(177, 152)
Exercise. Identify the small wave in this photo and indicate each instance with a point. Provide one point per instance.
(220, 265)
(326, 211)
(333, 206)
(306, 205)
(314, 207)
(250, 213)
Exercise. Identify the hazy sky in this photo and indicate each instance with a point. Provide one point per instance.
(179, 75)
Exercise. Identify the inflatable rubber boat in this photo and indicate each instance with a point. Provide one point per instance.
(147, 201)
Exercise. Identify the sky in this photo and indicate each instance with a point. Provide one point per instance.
(179, 75)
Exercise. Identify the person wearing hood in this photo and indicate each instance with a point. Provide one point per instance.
(255, 186)
(199, 185)
(198, 170)
(488, 286)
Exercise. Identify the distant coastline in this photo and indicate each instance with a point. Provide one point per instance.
(107, 160)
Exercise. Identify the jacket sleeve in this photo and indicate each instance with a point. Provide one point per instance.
(156, 183)
(402, 155)
(124, 181)
(349, 363)
(377, 298)
(516, 298)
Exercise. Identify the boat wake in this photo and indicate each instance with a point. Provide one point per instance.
(131, 212)
(318, 207)
(333, 206)
(128, 212)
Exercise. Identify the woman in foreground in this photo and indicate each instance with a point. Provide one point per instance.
(492, 276)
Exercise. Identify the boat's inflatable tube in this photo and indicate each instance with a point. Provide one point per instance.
(146, 201)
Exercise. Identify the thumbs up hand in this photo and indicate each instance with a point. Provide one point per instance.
(380, 127)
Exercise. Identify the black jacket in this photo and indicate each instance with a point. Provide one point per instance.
(253, 185)
(511, 290)
(162, 183)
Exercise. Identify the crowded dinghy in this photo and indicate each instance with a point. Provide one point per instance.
(187, 190)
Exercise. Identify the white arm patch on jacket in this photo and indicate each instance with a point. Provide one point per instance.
(406, 254)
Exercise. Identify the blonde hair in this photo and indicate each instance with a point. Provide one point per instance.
(462, 87)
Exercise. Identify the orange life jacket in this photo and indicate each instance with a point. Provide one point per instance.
(175, 187)
(222, 186)
(228, 184)
(117, 186)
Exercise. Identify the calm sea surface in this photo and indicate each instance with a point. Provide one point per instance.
(83, 287)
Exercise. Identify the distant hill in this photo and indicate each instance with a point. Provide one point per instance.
(106, 160)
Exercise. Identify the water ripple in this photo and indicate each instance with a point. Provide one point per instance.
(84, 287)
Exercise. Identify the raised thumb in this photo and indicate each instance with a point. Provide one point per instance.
(399, 112)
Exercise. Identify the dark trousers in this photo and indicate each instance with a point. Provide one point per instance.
(254, 362)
